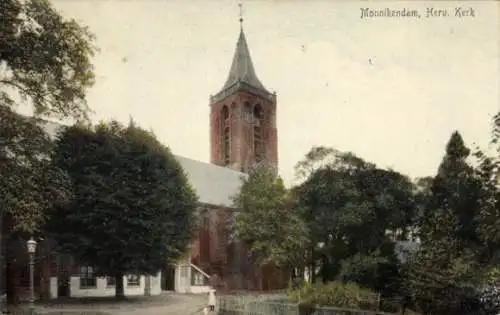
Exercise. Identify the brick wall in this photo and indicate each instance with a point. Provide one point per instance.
(241, 143)
(227, 262)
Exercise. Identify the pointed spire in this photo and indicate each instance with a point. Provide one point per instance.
(242, 69)
(241, 15)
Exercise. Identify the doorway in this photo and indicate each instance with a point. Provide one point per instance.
(63, 276)
(63, 285)
(168, 278)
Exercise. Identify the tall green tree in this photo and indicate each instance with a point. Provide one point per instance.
(133, 208)
(455, 193)
(450, 253)
(267, 220)
(45, 63)
(44, 59)
(489, 216)
(30, 184)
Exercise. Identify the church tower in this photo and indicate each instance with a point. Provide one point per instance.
(243, 117)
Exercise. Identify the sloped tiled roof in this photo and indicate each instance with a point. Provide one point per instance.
(214, 184)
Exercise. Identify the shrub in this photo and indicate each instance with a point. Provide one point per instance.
(335, 294)
(490, 300)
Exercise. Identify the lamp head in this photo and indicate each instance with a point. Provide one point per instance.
(31, 245)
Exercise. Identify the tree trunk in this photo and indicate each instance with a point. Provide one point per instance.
(119, 290)
(2, 263)
(325, 270)
(312, 272)
(294, 278)
(10, 283)
(11, 270)
(6, 260)
(301, 273)
(147, 285)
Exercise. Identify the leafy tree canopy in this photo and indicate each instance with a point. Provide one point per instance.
(267, 219)
(349, 205)
(487, 173)
(29, 182)
(132, 208)
(44, 58)
(44, 63)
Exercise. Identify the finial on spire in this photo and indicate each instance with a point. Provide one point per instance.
(241, 13)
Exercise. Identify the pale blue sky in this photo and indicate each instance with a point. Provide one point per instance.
(160, 60)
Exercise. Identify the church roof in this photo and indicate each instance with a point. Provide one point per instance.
(242, 69)
(214, 185)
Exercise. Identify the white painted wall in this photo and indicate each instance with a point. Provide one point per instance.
(103, 290)
(53, 287)
(183, 278)
(182, 285)
(156, 284)
(183, 275)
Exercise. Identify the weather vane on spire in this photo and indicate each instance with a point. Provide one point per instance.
(241, 13)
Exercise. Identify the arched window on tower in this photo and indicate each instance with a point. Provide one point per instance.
(247, 112)
(225, 135)
(225, 144)
(258, 145)
(258, 112)
(224, 113)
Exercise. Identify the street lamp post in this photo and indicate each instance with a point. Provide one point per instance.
(31, 245)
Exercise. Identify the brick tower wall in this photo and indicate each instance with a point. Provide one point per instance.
(241, 132)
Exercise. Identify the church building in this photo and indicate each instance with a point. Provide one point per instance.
(242, 132)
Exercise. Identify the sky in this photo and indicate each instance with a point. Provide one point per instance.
(390, 90)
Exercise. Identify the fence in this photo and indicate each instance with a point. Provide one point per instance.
(276, 304)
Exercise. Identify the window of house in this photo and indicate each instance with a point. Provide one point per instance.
(198, 279)
(133, 280)
(110, 281)
(88, 279)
